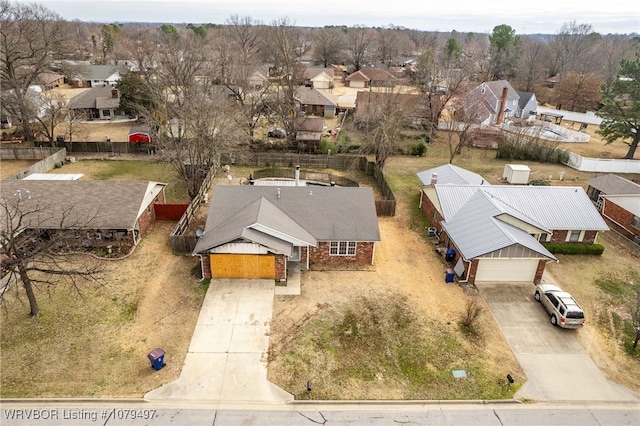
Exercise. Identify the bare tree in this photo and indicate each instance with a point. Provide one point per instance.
(358, 45)
(579, 92)
(328, 44)
(29, 35)
(55, 114)
(459, 121)
(571, 47)
(387, 45)
(440, 77)
(285, 45)
(533, 65)
(384, 115)
(30, 246)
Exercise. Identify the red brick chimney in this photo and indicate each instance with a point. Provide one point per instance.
(114, 93)
(503, 104)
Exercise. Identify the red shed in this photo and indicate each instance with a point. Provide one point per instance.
(140, 134)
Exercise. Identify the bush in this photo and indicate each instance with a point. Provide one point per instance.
(539, 182)
(574, 248)
(522, 149)
(418, 149)
(326, 145)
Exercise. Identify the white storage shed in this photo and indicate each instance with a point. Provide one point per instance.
(516, 173)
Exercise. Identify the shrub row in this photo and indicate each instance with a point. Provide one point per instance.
(574, 248)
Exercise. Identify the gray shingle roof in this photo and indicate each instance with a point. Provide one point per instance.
(304, 214)
(82, 204)
(312, 96)
(553, 207)
(614, 185)
(96, 97)
(450, 174)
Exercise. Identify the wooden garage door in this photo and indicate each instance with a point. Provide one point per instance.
(508, 270)
(243, 266)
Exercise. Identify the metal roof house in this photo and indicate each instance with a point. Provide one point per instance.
(451, 174)
(497, 230)
(255, 231)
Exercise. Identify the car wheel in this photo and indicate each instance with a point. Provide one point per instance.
(554, 320)
(537, 296)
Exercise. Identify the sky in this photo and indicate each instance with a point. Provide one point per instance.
(526, 17)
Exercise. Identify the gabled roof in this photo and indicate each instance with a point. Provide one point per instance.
(611, 184)
(450, 174)
(377, 74)
(96, 97)
(309, 124)
(479, 229)
(497, 86)
(525, 97)
(357, 76)
(82, 204)
(322, 76)
(312, 96)
(284, 215)
(99, 72)
(551, 207)
(140, 129)
(312, 72)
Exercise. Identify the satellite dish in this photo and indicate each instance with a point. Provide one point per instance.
(199, 232)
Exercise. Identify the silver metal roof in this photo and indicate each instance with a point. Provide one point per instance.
(553, 207)
(477, 230)
(450, 174)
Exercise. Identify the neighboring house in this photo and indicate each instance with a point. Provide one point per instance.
(50, 80)
(610, 184)
(309, 131)
(320, 78)
(491, 102)
(140, 134)
(256, 231)
(312, 101)
(88, 213)
(259, 79)
(371, 77)
(497, 230)
(97, 103)
(527, 106)
(618, 200)
(39, 103)
(98, 75)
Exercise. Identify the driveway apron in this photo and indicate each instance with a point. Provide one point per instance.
(557, 366)
(226, 360)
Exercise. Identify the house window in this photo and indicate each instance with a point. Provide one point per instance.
(544, 237)
(574, 236)
(600, 202)
(635, 222)
(342, 248)
(106, 113)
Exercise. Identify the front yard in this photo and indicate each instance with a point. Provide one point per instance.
(391, 332)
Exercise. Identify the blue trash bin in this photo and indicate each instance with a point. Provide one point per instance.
(449, 275)
(156, 357)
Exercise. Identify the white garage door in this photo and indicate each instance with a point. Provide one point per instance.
(506, 270)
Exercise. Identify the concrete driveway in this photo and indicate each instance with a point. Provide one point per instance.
(227, 355)
(557, 366)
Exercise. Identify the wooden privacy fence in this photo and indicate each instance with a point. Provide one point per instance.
(384, 207)
(181, 243)
(170, 211)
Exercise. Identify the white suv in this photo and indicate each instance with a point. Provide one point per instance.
(563, 309)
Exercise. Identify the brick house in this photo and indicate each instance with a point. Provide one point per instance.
(618, 200)
(256, 231)
(497, 231)
(86, 214)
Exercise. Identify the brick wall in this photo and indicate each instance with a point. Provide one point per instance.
(429, 210)
(539, 271)
(281, 267)
(622, 218)
(205, 261)
(559, 236)
(146, 219)
(363, 256)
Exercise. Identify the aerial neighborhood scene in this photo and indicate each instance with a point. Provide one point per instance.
(258, 209)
